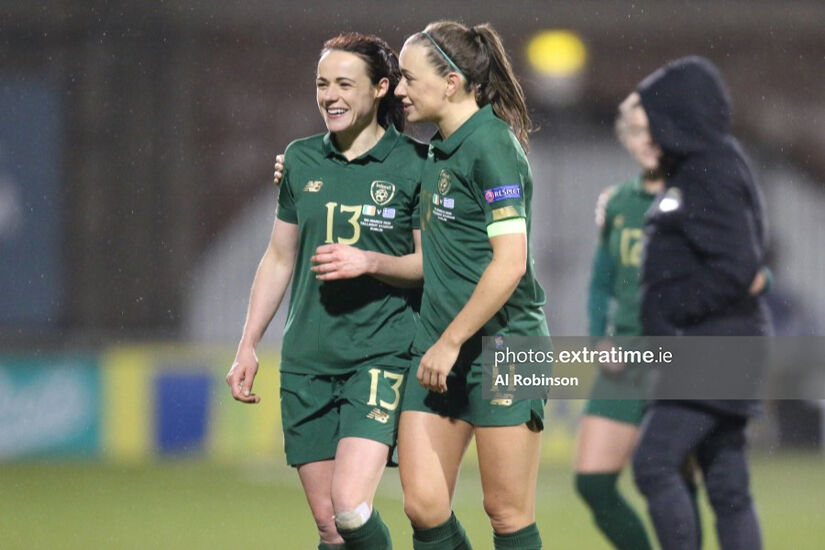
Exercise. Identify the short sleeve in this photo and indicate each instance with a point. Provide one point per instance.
(286, 198)
(500, 174)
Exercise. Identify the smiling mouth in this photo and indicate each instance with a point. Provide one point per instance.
(335, 112)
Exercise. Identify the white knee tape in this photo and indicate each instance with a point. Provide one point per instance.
(353, 519)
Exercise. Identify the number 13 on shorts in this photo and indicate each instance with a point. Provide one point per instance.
(394, 379)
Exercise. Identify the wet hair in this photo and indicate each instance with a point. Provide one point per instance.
(382, 62)
(478, 55)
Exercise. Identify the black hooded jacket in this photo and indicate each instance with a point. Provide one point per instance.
(705, 233)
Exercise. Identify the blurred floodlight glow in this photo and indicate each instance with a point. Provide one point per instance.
(558, 59)
(557, 53)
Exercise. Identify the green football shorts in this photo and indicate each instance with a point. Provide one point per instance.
(463, 400)
(317, 411)
(627, 384)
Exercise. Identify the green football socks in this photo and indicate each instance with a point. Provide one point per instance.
(373, 535)
(611, 512)
(527, 538)
(449, 535)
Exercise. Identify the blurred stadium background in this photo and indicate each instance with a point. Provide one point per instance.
(136, 149)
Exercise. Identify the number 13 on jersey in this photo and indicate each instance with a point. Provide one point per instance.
(355, 214)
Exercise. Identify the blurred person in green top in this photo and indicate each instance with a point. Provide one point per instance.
(609, 429)
(346, 233)
(479, 281)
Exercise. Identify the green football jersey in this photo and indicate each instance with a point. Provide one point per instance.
(476, 177)
(370, 203)
(616, 275)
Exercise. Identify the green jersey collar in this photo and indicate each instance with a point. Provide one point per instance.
(449, 145)
(378, 152)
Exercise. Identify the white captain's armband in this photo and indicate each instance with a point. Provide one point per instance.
(507, 227)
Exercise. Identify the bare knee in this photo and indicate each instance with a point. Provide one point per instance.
(426, 508)
(507, 516)
(343, 501)
(349, 494)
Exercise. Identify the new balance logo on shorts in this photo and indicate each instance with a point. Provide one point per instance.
(379, 415)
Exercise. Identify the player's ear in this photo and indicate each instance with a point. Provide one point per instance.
(454, 83)
(382, 88)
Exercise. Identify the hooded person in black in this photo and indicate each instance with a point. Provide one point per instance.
(705, 236)
(704, 246)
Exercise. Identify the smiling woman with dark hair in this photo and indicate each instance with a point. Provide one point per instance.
(347, 234)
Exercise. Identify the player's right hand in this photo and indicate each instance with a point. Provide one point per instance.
(241, 376)
(436, 364)
(278, 175)
(601, 205)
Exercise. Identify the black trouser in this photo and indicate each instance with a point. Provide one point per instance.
(670, 432)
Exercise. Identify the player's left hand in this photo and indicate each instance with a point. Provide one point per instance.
(340, 261)
(436, 364)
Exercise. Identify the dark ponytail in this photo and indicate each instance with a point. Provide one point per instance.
(381, 63)
(480, 57)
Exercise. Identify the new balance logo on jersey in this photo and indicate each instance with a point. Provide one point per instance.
(377, 414)
(313, 186)
(502, 402)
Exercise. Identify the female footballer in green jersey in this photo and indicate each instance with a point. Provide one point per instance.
(478, 281)
(609, 429)
(347, 233)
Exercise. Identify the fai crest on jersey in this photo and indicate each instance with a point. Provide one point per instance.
(444, 182)
(382, 192)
